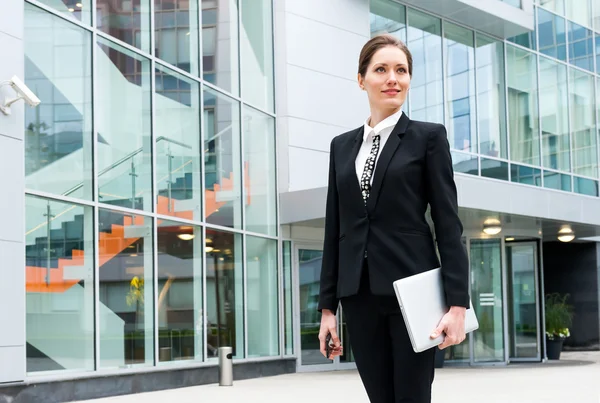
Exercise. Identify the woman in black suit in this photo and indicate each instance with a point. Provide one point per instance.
(382, 177)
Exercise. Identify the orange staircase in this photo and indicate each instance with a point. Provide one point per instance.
(110, 244)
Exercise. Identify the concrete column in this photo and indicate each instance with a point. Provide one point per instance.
(12, 183)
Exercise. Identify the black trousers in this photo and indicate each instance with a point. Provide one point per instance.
(388, 366)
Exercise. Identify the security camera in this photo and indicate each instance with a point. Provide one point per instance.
(23, 92)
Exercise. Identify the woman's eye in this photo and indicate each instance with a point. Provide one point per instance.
(380, 69)
(402, 70)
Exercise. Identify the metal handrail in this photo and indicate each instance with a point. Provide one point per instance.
(124, 159)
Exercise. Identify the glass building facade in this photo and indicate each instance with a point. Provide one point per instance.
(521, 110)
(151, 198)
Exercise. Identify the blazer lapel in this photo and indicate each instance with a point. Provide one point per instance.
(387, 153)
(351, 167)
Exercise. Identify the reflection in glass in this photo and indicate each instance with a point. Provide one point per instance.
(524, 174)
(58, 132)
(579, 11)
(554, 115)
(425, 44)
(523, 106)
(123, 123)
(222, 155)
(494, 169)
(176, 33)
(583, 123)
(220, 56)
(460, 88)
(180, 319)
(128, 21)
(465, 163)
(224, 293)
(527, 39)
(486, 291)
(554, 180)
(581, 46)
(59, 254)
(288, 298)
(262, 298)
(585, 186)
(387, 16)
(178, 163)
(126, 293)
(80, 10)
(552, 35)
(309, 273)
(259, 172)
(256, 48)
(557, 6)
(491, 109)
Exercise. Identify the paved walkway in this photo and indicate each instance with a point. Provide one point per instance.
(573, 379)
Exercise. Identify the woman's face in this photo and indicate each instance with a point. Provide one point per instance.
(387, 79)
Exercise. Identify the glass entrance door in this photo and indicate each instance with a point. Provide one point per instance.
(523, 307)
(308, 264)
(486, 295)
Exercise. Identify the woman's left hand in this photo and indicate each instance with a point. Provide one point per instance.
(453, 325)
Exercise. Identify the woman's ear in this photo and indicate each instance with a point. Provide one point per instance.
(361, 82)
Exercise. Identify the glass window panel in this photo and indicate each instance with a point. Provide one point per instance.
(494, 169)
(220, 54)
(126, 293)
(259, 172)
(552, 35)
(527, 175)
(583, 123)
(585, 186)
(80, 10)
(581, 46)
(465, 163)
(554, 180)
(123, 123)
(58, 133)
(460, 88)
(222, 156)
(554, 115)
(180, 318)
(527, 39)
(288, 298)
(257, 53)
(59, 254)
(224, 293)
(491, 108)
(177, 42)
(557, 6)
(127, 20)
(425, 43)
(579, 11)
(178, 163)
(387, 16)
(262, 299)
(523, 106)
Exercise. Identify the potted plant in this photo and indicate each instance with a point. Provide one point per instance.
(559, 317)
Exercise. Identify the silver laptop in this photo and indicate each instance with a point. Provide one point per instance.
(422, 302)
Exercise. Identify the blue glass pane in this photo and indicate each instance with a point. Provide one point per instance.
(465, 163)
(552, 36)
(581, 46)
(558, 181)
(586, 186)
(527, 175)
(494, 169)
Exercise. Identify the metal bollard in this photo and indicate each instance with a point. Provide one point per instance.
(225, 366)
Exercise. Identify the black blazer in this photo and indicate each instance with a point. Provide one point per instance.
(414, 169)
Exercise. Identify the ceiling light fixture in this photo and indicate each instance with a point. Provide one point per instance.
(566, 234)
(510, 239)
(186, 237)
(492, 226)
(208, 249)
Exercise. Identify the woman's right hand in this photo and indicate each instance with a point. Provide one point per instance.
(329, 325)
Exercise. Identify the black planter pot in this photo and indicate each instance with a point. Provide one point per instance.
(554, 348)
(439, 357)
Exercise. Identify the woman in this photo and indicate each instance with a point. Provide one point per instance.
(382, 177)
